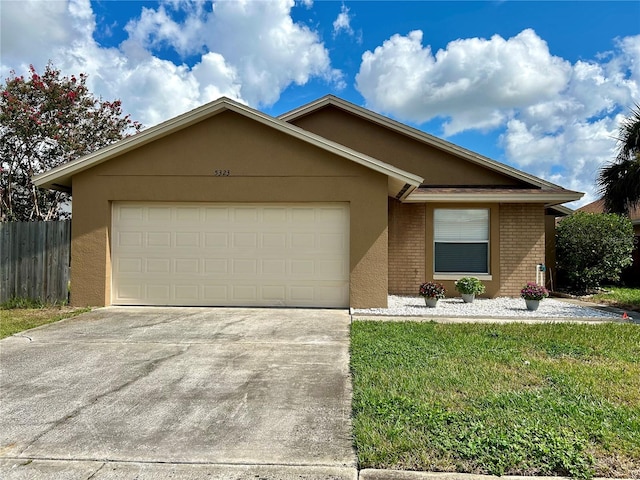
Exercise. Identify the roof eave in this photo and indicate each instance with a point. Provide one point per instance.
(562, 210)
(548, 200)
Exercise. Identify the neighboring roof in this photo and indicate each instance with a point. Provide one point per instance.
(331, 100)
(471, 194)
(598, 207)
(401, 183)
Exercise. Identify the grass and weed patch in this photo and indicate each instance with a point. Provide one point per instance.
(625, 298)
(17, 315)
(498, 399)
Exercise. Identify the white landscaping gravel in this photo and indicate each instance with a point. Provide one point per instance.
(502, 307)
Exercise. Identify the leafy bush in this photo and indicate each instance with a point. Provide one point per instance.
(592, 248)
(470, 286)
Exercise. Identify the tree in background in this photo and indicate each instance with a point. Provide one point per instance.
(620, 180)
(592, 248)
(46, 121)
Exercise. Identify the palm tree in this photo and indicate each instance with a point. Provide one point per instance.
(620, 180)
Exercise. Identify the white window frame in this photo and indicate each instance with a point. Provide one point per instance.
(456, 275)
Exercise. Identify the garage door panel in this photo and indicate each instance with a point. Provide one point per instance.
(158, 239)
(245, 240)
(158, 292)
(158, 265)
(203, 254)
(274, 268)
(189, 266)
(188, 215)
(128, 291)
(216, 240)
(159, 215)
(128, 214)
(276, 241)
(244, 293)
(274, 293)
(216, 267)
(216, 294)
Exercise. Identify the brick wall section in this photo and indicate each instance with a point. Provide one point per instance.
(522, 245)
(406, 247)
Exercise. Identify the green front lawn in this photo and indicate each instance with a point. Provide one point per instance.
(624, 298)
(498, 399)
(17, 318)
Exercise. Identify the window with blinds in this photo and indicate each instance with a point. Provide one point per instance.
(461, 240)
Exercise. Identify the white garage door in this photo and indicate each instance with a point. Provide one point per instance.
(230, 255)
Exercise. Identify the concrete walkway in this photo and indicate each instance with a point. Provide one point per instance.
(179, 393)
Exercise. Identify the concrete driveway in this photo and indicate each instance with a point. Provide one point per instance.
(179, 393)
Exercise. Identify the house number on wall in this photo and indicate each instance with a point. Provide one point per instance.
(222, 173)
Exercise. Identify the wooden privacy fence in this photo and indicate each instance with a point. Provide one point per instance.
(34, 260)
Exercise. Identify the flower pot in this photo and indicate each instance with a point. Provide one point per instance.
(532, 304)
(431, 302)
(468, 297)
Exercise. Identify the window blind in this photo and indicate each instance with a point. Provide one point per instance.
(461, 240)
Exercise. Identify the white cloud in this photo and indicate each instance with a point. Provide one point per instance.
(568, 138)
(268, 50)
(342, 23)
(559, 120)
(258, 40)
(156, 28)
(474, 82)
(250, 51)
(50, 26)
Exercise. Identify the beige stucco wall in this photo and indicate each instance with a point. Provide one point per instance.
(264, 166)
(436, 166)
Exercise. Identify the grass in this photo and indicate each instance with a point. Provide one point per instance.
(624, 298)
(498, 399)
(17, 315)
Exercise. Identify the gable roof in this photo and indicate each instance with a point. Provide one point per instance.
(559, 194)
(400, 182)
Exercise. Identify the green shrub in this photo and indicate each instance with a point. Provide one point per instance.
(592, 248)
(470, 286)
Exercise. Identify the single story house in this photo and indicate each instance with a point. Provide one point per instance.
(630, 275)
(329, 205)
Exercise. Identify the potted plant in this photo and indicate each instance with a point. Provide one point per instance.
(469, 287)
(432, 292)
(532, 294)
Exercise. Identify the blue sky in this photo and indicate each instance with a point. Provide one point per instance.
(541, 86)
